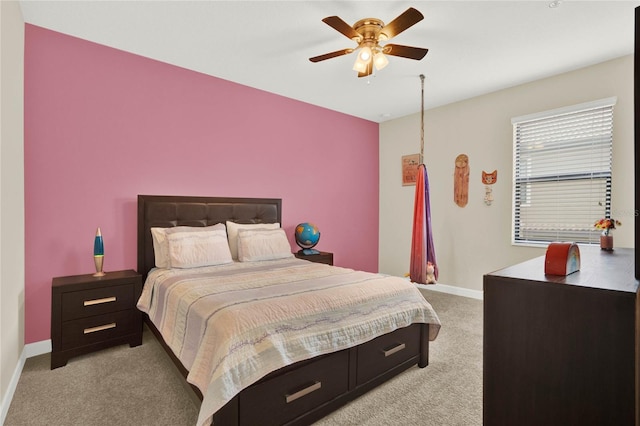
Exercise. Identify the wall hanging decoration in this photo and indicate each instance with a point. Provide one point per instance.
(98, 253)
(410, 165)
(489, 179)
(461, 180)
(423, 268)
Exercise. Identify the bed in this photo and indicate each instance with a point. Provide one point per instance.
(305, 364)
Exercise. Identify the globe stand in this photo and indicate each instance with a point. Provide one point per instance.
(308, 251)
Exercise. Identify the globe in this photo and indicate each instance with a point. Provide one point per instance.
(307, 236)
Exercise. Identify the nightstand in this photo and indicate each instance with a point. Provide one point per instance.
(323, 257)
(91, 313)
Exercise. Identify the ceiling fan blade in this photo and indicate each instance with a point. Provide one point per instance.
(407, 19)
(410, 52)
(331, 55)
(339, 25)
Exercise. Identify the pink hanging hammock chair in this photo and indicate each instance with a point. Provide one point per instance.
(423, 267)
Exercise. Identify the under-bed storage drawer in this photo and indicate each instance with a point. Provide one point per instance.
(387, 351)
(285, 397)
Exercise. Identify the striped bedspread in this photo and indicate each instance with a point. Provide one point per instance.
(231, 325)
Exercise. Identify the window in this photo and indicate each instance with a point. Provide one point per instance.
(562, 173)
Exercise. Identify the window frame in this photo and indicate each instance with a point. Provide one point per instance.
(518, 181)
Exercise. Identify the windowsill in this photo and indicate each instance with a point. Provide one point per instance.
(544, 244)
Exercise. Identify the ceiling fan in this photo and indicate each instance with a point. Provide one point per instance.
(368, 33)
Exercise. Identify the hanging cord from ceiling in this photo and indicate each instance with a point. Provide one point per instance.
(422, 121)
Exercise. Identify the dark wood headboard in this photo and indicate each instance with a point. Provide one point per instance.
(166, 211)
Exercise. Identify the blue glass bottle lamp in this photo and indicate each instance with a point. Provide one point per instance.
(98, 253)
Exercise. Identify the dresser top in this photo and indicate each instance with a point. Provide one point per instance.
(599, 269)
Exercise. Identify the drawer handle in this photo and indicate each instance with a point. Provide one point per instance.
(99, 301)
(303, 392)
(395, 349)
(99, 328)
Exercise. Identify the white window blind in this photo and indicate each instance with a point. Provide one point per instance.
(562, 173)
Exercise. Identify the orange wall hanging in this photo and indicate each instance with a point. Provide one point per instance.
(410, 165)
(461, 180)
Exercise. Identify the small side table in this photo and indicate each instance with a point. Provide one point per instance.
(92, 313)
(323, 257)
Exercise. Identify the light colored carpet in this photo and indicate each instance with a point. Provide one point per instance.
(140, 386)
(116, 386)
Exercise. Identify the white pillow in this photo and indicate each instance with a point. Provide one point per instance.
(194, 247)
(232, 233)
(160, 247)
(161, 244)
(263, 244)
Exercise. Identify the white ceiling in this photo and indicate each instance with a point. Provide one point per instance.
(475, 47)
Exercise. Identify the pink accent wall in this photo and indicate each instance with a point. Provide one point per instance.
(102, 126)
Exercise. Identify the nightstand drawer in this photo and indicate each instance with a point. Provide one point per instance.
(85, 303)
(86, 331)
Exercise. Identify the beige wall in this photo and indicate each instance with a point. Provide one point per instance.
(11, 196)
(474, 240)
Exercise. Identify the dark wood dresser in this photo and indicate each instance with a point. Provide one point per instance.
(91, 313)
(562, 350)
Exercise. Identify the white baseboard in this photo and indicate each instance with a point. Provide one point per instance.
(37, 348)
(8, 396)
(458, 291)
(30, 350)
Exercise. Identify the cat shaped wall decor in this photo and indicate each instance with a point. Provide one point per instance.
(489, 179)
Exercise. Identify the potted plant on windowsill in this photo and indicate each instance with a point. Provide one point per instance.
(606, 238)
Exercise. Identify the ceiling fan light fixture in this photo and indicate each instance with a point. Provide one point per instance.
(380, 60)
(360, 65)
(363, 60)
(365, 54)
